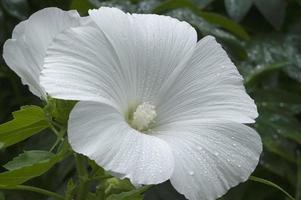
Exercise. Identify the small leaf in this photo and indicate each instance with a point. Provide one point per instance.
(17, 8)
(82, 6)
(272, 10)
(28, 121)
(131, 195)
(237, 9)
(21, 175)
(28, 158)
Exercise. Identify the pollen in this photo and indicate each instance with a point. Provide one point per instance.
(143, 116)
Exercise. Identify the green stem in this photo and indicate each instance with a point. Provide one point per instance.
(82, 177)
(60, 136)
(34, 189)
(266, 182)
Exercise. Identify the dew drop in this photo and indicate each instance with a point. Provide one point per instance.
(239, 166)
(216, 153)
(191, 173)
(200, 148)
(234, 144)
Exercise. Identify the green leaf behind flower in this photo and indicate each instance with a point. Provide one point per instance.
(28, 121)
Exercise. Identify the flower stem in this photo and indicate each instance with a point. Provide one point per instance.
(34, 189)
(266, 182)
(82, 177)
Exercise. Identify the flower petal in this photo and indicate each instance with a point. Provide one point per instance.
(81, 65)
(25, 52)
(100, 132)
(210, 87)
(150, 48)
(211, 158)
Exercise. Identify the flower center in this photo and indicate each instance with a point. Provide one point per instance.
(143, 116)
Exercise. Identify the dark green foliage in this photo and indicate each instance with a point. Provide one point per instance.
(263, 38)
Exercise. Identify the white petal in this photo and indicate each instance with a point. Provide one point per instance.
(150, 48)
(210, 87)
(81, 65)
(211, 158)
(100, 132)
(25, 52)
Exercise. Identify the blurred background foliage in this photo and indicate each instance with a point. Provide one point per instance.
(263, 38)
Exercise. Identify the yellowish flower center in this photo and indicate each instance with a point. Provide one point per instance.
(143, 116)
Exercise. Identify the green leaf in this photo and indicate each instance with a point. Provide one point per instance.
(2, 197)
(269, 183)
(272, 10)
(115, 186)
(225, 23)
(16, 8)
(259, 73)
(60, 109)
(271, 50)
(203, 3)
(2, 35)
(130, 195)
(21, 175)
(28, 158)
(82, 6)
(280, 132)
(237, 9)
(173, 4)
(28, 121)
(280, 167)
(211, 17)
(279, 99)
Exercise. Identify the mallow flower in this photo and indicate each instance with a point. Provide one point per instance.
(155, 104)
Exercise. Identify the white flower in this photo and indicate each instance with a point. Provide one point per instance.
(155, 104)
(24, 53)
